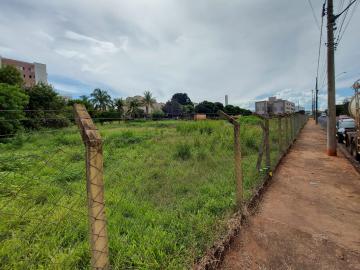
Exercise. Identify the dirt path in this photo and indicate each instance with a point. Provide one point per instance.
(309, 217)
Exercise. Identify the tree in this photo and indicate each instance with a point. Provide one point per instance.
(119, 104)
(232, 110)
(188, 109)
(218, 106)
(181, 98)
(133, 109)
(85, 100)
(12, 102)
(101, 99)
(157, 115)
(10, 75)
(46, 108)
(148, 101)
(172, 108)
(206, 107)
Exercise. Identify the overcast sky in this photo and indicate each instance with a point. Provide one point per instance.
(248, 49)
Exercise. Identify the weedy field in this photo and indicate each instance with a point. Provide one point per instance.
(169, 190)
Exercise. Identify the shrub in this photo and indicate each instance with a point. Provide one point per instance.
(156, 115)
(12, 101)
(183, 151)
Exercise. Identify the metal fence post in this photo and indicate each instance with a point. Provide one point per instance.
(237, 159)
(95, 189)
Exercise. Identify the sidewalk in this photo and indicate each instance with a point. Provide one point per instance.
(309, 217)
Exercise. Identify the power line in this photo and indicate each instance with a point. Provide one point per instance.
(313, 13)
(320, 41)
(348, 22)
(342, 21)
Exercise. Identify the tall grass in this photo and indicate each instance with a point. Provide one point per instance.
(169, 190)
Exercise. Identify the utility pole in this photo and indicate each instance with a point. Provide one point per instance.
(312, 103)
(331, 123)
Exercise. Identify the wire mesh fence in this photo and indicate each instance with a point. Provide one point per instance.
(169, 188)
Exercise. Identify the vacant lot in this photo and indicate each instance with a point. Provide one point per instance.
(169, 189)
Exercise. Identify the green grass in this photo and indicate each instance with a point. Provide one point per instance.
(169, 190)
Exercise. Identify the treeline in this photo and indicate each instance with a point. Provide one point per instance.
(181, 105)
(40, 106)
(28, 107)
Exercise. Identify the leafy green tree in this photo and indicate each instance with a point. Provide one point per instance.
(206, 107)
(101, 99)
(133, 109)
(182, 99)
(149, 101)
(218, 106)
(236, 110)
(119, 104)
(10, 75)
(172, 108)
(46, 108)
(188, 109)
(12, 102)
(157, 115)
(232, 110)
(85, 100)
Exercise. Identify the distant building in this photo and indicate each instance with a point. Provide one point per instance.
(226, 100)
(274, 106)
(32, 73)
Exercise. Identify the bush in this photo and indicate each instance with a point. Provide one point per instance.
(183, 151)
(156, 115)
(13, 99)
(46, 108)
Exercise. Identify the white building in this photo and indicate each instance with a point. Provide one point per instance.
(274, 106)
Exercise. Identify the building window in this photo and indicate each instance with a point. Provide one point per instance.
(30, 76)
(24, 75)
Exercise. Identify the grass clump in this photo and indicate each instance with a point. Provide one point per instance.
(183, 151)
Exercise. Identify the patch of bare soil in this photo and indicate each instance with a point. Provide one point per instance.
(309, 217)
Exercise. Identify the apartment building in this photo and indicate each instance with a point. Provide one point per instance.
(32, 73)
(274, 106)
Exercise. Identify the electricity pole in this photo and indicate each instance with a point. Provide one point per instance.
(312, 103)
(331, 123)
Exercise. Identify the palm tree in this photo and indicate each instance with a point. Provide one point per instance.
(148, 101)
(101, 99)
(119, 104)
(133, 107)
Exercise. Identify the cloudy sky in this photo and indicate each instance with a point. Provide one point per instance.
(248, 49)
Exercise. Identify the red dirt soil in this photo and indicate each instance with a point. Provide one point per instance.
(309, 217)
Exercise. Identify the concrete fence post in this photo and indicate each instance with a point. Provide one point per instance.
(237, 158)
(286, 132)
(280, 135)
(267, 144)
(293, 127)
(95, 189)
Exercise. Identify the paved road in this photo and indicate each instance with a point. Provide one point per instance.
(309, 217)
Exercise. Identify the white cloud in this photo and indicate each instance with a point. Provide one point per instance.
(98, 47)
(70, 53)
(206, 48)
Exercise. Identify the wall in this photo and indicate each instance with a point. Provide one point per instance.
(40, 73)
